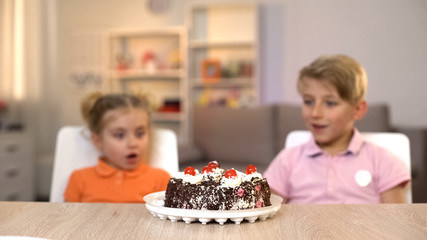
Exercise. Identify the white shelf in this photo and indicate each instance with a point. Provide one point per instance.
(225, 83)
(155, 32)
(221, 44)
(153, 62)
(167, 117)
(227, 33)
(147, 74)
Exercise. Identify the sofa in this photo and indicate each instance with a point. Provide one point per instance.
(238, 137)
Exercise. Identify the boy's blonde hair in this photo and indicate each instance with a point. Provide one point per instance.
(95, 105)
(342, 72)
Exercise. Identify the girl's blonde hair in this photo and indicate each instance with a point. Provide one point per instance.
(342, 72)
(95, 105)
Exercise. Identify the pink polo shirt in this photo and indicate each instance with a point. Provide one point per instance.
(307, 174)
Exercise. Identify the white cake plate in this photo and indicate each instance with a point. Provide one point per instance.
(155, 204)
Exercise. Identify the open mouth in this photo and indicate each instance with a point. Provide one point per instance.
(318, 126)
(132, 158)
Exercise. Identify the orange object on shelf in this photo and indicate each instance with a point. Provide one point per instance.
(211, 70)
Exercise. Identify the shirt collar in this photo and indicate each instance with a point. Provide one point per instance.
(313, 149)
(105, 170)
(356, 143)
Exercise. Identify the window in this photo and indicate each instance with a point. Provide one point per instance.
(12, 50)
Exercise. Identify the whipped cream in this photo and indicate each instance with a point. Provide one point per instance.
(215, 175)
(247, 178)
(196, 179)
(232, 182)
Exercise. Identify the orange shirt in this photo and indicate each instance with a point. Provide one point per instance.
(103, 183)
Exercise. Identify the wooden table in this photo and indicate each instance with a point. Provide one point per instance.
(133, 221)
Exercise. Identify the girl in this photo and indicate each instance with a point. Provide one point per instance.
(120, 130)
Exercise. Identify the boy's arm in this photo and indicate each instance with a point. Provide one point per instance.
(278, 194)
(393, 195)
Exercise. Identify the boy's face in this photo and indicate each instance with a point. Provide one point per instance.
(329, 118)
(124, 139)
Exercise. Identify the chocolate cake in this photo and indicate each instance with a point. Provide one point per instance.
(214, 189)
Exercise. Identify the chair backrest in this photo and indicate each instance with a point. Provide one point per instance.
(396, 143)
(75, 150)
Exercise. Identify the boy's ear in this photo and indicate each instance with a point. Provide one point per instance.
(96, 140)
(361, 109)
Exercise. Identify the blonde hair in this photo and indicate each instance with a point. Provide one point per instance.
(95, 105)
(342, 72)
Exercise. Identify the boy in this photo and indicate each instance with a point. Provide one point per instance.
(336, 165)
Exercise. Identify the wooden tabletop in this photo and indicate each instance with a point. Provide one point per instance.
(133, 221)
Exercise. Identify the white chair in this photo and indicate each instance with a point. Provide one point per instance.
(75, 150)
(396, 143)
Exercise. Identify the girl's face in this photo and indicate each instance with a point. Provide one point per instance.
(124, 138)
(329, 118)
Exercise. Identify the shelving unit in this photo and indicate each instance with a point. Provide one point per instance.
(16, 167)
(153, 62)
(225, 33)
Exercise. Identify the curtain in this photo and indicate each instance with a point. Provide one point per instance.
(12, 86)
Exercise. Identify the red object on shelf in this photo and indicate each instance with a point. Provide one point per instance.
(170, 106)
(169, 109)
(147, 56)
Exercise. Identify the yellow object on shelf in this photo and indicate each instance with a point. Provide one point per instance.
(204, 97)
